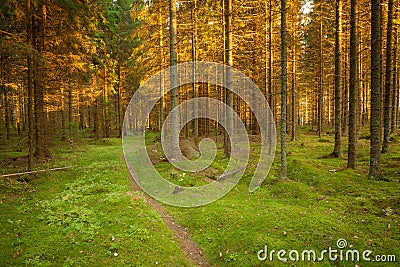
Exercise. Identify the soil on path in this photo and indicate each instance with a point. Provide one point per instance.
(188, 246)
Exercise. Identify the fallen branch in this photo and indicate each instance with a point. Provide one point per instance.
(224, 176)
(30, 172)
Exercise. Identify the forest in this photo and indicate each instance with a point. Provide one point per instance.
(328, 69)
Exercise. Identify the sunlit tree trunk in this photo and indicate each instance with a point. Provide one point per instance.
(6, 103)
(173, 73)
(70, 115)
(228, 73)
(105, 105)
(161, 44)
(395, 77)
(119, 100)
(270, 57)
(321, 73)
(388, 80)
(195, 122)
(345, 102)
(283, 90)
(293, 93)
(63, 137)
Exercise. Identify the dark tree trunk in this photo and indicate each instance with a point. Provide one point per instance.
(375, 157)
(96, 122)
(352, 151)
(30, 66)
(70, 115)
(6, 111)
(337, 150)
(41, 149)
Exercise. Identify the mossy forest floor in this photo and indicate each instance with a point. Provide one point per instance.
(89, 215)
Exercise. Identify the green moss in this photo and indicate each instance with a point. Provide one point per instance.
(84, 216)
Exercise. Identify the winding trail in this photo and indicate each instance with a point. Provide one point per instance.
(188, 246)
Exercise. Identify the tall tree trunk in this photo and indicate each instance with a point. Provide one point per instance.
(395, 77)
(388, 80)
(345, 103)
(63, 136)
(375, 157)
(293, 128)
(6, 110)
(195, 122)
(81, 112)
(228, 74)
(18, 113)
(119, 100)
(106, 107)
(269, 64)
(96, 123)
(283, 90)
(70, 115)
(30, 67)
(161, 44)
(173, 74)
(321, 73)
(41, 149)
(352, 151)
(270, 57)
(337, 150)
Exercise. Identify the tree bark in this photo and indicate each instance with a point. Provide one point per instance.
(283, 174)
(105, 105)
(63, 137)
(195, 122)
(293, 124)
(352, 151)
(375, 157)
(228, 74)
(395, 77)
(321, 78)
(6, 110)
(119, 100)
(161, 44)
(30, 66)
(337, 150)
(173, 73)
(270, 57)
(388, 80)
(38, 37)
(345, 102)
(70, 115)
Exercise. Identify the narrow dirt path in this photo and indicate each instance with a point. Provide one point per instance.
(188, 246)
